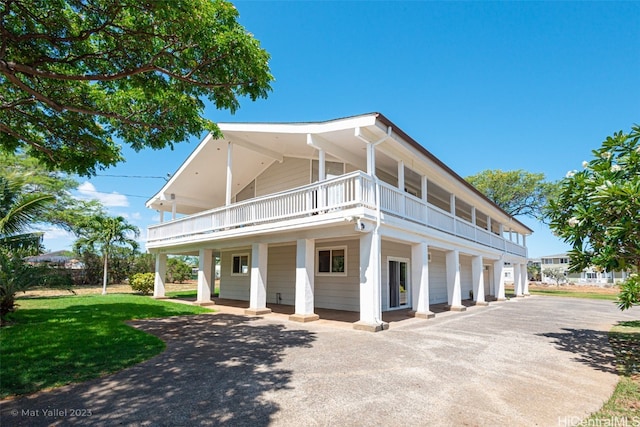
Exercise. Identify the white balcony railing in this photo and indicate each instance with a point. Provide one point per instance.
(356, 189)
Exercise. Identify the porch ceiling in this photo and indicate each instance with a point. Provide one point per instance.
(200, 183)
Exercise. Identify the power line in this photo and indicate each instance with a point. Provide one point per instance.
(111, 194)
(135, 176)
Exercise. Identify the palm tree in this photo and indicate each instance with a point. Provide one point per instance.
(19, 209)
(104, 232)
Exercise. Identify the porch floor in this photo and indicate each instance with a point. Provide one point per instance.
(340, 318)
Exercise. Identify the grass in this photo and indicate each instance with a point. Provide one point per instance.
(188, 293)
(54, 341)
(623, 408)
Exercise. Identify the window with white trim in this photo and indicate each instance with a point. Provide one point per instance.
(240, 265)
(331, 261)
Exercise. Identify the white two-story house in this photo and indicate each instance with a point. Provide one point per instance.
(348, 214)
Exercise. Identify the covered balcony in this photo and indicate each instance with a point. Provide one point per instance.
(352, 195)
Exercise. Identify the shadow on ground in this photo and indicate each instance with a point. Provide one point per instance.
(587, 346)
(217, 369)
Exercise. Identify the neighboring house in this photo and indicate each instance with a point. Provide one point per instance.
(349, 214)
(590, 275)
(58, 259)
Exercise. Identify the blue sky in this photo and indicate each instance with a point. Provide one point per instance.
(482, 85)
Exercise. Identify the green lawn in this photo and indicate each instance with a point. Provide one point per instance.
(623, 408)
(59, 340)
(188, 294)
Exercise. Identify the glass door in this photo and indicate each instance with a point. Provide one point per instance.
(398, 283)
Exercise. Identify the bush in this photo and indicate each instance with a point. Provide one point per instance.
(629, 292)
(142, 282)
(177, 270)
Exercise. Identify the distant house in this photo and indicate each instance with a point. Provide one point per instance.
(349, 214)
(590, 275)
(57, 259)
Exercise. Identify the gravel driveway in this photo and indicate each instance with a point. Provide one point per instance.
(534, 361)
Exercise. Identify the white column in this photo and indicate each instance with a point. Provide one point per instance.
(525, 286)
(322, 174)
(420, 280)
(161, 213)
(258, 291)
(371, 159)
(452, 203)
(370, 287)
(517, 280)
(173, 206)
(477, 278)
(305, 257)
(160, 275)
(227, 199)
(454, 293)
(424, 187)
(498, 279)
(204, 276)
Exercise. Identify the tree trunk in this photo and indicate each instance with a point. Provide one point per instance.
(104, 275)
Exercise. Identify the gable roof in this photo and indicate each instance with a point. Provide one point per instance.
(200, 182)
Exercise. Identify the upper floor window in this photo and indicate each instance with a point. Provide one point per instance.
(240, 265)
(332, 261)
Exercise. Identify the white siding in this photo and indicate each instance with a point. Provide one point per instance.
(281, 274)
(466, 277)
(291, 173)
(233, 287)
(437, 277)
(340, 292)
(397, 250)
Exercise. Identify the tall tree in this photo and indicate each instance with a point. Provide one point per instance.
(18, 208)
(74, 74)
(517, 192)
(103, 233)
(598, 211)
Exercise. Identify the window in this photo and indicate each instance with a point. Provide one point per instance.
(332, 261)
(240, 265)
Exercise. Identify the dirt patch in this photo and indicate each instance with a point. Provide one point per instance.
(611, 289)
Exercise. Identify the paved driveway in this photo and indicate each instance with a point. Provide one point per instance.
(535, 361)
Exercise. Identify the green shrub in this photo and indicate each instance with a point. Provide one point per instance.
(142, 282)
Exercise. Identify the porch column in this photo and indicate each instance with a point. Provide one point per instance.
(454, 293)
(304, 281)
(498, 279)
(370, 287)
(322, 174)
(517, 279)
(227, 200)
(160, 275)
(371, 159)
(258, 292)
(525, 285)
(204, 276)
(477, 278)
(420, 280)
(161, 213)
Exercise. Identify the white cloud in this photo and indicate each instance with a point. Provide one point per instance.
(88, 191)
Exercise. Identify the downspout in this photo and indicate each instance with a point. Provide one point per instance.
(376, 182)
